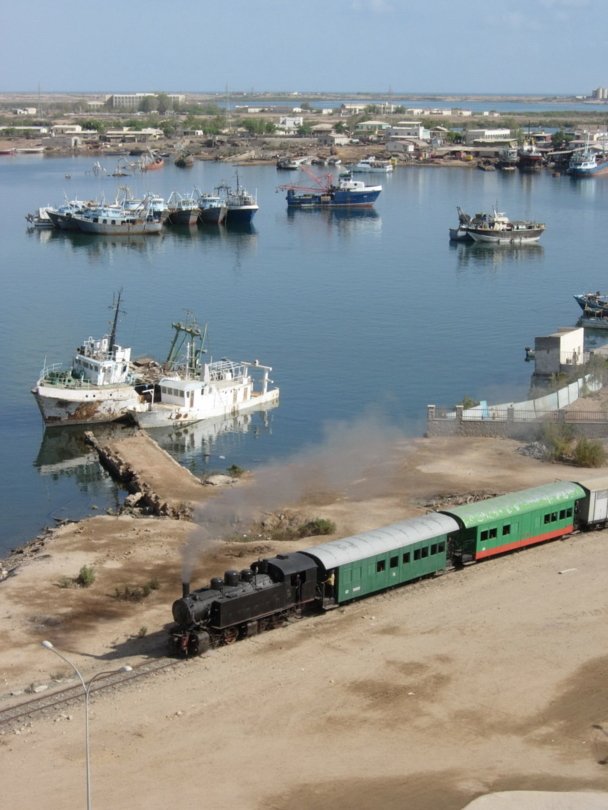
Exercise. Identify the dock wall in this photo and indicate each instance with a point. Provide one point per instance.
(521, 420)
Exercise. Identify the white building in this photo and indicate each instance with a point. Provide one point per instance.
(559, 351)
(290, 123)
(479, 136)
(408, 130)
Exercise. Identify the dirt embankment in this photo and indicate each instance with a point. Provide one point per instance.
(425, 697)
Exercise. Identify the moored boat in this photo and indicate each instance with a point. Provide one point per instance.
(372, 164)
(329, 193)
(588, 163)
(212, 208)
(497, 228)
(151, 162)
(529, 158)
(593, 302)
(183, 209)
(241, 205)
(193, 390)
(40, 219)
(114, 220)
(100, 385)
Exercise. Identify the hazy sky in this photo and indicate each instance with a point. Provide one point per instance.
(418, 46)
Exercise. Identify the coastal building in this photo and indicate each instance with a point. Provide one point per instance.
(290, 124)
(600, 93)
(408, 130)
(482, 136)
(371, 127)
(131, 101)
(559, 351)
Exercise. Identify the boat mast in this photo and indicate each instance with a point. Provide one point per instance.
(116, 306)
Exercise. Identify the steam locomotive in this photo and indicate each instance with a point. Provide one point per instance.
(272, 591)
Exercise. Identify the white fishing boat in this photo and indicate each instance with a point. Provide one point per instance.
(372, 164)
(193, 390)
(40, 219)
(99, 386)
(496, 228)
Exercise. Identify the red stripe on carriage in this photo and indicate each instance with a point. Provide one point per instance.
(529, 541)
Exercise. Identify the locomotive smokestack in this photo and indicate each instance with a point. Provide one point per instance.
(185, 589)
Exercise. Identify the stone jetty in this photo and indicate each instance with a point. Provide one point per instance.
(156, 483)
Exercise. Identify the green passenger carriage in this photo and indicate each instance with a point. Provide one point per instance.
(510, 522)
(372, 561)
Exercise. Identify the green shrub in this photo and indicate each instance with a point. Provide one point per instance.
(86, 577)
(589, 453)
(316, 527)
(235, 471)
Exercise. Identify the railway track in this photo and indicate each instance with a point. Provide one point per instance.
(59, 697)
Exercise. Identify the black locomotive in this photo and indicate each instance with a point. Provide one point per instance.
(244, 603)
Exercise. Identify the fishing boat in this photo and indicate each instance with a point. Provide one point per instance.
(212, 208)
(241, 205)
(588, 162)
(183, 209)
(118, 220)
(331, 193)
(372, 164)
(99, 386)
(593, 303)
(194, 390)
(40, 218)
(184, 160)
(62, 217)
(151, 162)
(529, 158)
(496, 228)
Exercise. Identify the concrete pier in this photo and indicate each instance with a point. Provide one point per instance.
(156, 482)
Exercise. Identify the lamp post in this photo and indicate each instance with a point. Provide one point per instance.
(87, 690)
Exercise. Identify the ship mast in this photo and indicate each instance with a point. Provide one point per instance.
(114, 323)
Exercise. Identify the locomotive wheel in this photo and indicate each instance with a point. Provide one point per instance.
(230, 635)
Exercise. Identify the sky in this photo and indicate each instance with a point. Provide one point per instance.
(556, 47)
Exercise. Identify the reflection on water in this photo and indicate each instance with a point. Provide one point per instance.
(100, 244)
(195, 446)
(345, 220)
(64, 451)
(487, 255)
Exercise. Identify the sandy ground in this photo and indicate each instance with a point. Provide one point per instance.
(490, 679)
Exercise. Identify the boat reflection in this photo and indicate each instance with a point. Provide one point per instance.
(488, 255)
(97, 245)
(344, 219)
(64, 451)
(199, 444)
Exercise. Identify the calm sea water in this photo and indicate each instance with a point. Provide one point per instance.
(357, 313)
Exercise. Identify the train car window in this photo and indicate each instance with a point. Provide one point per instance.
(562, 514)
(380, 566)
(547, 518)
(434, 548)
(506, 529)
(394, 562)
(484, 534)
(569, 512)
(417, 554)
(492, 532)
(441, 548)
(406, 558)
(553, 517)
(425, 552)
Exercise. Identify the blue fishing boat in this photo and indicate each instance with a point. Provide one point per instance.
(588, 163)
(329, 193)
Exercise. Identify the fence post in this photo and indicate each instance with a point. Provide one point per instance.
(459, 412)
(510, 414)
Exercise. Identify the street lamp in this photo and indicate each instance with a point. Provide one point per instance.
(87, 689)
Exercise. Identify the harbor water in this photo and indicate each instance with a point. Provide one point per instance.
(363, 315)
